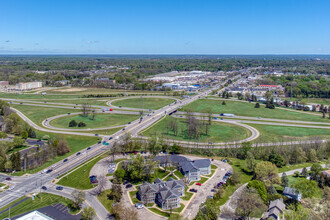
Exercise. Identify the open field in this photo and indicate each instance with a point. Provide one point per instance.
(311, 100)
(247, 109)
(104, 131)
(79, 178)
(41, 200)
(75, 142)
(38, 114)
(85, 91)
(145, 103)
(273, 133)
(100, 120)
(218, 132)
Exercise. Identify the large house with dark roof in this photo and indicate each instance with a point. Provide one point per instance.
(191, 169)
(275, 210)
(165, 194)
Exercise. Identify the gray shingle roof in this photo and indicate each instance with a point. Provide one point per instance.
(171, 159)
(188, 167)
(202, 163)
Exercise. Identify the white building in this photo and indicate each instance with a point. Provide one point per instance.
(28, 85)
(35, 215)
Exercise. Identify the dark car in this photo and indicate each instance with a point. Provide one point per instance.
(129, 123)
(45, 102)
(99, 142)
(69, 113)
(125, 182)
(8, 178)
(44, 187)
(128, 186)
(96, 135)
(21, 103)
(93, 179)
(59, 187)
(88, 148)
(48, 171)
(193, 190)
(65, 160)
(213, 190)
(77, 153)
(110, 138)
(123, 129)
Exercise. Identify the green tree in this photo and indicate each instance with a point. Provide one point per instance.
(296, 213)
(249, 202)
(88, 213)
(24, 135)
(209, 211)
(251, 163)
(267, 172)
(78, 198)
(223, 103)
(257, 105)
(284, 180)
(72, 123)
(260, 188)
(276, 159)
(304, 172)
(308, 188)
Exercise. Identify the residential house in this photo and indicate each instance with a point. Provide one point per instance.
(275, 210)
(292, 193)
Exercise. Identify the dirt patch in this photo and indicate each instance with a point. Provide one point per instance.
(71, 90)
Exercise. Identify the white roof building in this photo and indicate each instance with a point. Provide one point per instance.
(35, 215)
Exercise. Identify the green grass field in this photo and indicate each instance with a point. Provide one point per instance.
(247, 109)
(100, 120)
(132, 194)
(218, 132)
(41, 200)
(311, 100)
(103, 198)
(38, 114)
(79, 178)
(75, 142)
(146, 103)
(104, 131)
(271, 133)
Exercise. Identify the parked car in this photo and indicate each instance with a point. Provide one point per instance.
(110, 138)
(65, 160)
(44, 187)
(128, 186)
(99, 142)
(8, 178)
(93, 179)
(198, 184)
(139, 205)
(125, 182)
(193, 190)
(213, 190)
(59, 187)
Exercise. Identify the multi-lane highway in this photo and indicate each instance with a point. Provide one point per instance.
(33, 182)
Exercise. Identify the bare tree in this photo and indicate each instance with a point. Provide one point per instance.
(78, 198)
(86, 109)
(102, 182)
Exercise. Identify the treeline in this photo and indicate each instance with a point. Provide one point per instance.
(303, 86)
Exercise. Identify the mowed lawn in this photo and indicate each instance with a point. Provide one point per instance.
(146, 103)
(270, 133)
(218, 132)
(38, 114)
(75, 143)
(41, 200)
(248, 109)
(100, 120)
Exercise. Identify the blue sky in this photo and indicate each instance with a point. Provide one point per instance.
(165, 27)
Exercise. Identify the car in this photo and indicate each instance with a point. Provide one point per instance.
(45, 102)
(99, 142)
(8, 178)
(129, 123)
(213, 190)
(65, 160)
(74, 107)
(12, 187)
(198, 184)
(88, 148)
(93, 179)
(193, 190)
(210, 197)
(119, 106)
(77, 153)
(139, 205)
(83, 152)
(224, 160)
(69, 113)
(259, 117)
(48, 171)
(125, 182)
(128, 186)
(96, 135)
(123, 129)
(59, 187)
(44, 187)
(110, 138)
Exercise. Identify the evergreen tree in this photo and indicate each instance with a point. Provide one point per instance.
(223, 103)
(285, 180)
(72, 123)
(257, 105)
(304, 172)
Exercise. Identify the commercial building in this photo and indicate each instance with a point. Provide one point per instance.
(4, 83)
(28, 85)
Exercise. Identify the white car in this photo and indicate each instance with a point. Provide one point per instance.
(12, 187)
(139, 205)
